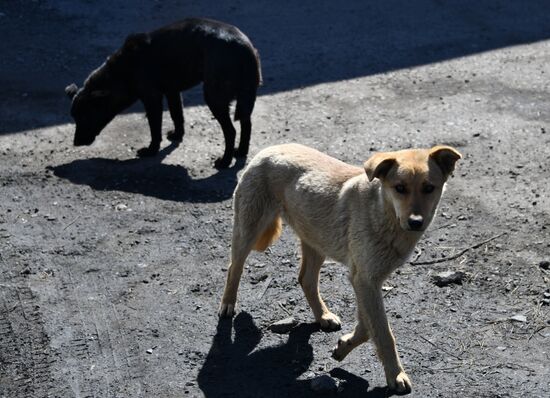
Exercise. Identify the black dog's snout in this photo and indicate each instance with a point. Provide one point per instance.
(415, 222)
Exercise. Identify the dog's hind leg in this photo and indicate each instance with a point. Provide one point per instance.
(309, 280)
(218, 101)
(240, 249)
(255, 226)
(243, 111)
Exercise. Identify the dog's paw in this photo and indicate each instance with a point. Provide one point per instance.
(222, 163)
(330, 322)
(343, 348)
(226, 310)
(175, 136)
(401, 383)
(147, 152)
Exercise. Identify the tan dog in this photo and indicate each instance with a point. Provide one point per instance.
(368, 218)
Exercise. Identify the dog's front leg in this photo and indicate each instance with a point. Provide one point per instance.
(175, 106)
(373, 315)
(349, 341)
(309, 280)
(153, 111)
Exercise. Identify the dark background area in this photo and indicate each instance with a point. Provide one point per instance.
(49, 44)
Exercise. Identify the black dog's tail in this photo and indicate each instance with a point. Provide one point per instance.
(259, 78)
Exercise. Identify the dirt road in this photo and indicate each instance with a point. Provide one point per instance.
(112, 267)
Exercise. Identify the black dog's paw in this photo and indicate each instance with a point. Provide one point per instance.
(175, 136)
(147, 152)
(241, 153)
(222, 163)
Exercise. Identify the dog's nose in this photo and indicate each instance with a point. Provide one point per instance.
(415, 222)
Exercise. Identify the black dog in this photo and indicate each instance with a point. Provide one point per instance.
(164, 63)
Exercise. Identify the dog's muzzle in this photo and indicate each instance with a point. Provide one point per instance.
(415, 222)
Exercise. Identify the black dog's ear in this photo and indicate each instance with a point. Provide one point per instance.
(379, 164)
(71, 90)
(136, 42)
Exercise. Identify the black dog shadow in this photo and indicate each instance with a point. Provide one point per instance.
(150, 177)
(233, 368)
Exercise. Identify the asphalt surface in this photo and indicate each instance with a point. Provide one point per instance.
(112, 267)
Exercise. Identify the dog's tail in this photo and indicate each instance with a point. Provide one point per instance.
(259, 77)
(270, 235)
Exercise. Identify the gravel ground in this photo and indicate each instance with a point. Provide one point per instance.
(112, 267)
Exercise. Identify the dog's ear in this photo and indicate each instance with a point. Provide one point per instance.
(379, 164)
(445, 157)
(71, 90)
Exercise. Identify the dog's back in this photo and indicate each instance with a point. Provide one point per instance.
(195, 49)
(283, 181)
(280, 164)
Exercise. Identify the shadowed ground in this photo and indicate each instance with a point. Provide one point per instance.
(301, 43)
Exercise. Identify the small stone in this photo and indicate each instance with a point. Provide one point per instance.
(149, 351)
(121, 207)
(283, 326)
(448, 278)
(446, 215)
(501, 348)
(308, 375)
(258, 279)
(518, 318)
(323, 383)
(544, 265)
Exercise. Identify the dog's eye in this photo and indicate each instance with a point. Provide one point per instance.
(400, 188)
(428, 188)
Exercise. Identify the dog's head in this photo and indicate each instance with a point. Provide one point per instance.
(413, 181)
(107, 91)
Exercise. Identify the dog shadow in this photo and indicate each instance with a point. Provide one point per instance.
(235, 368)
(150, 177)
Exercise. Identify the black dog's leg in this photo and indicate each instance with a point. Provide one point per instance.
(175, 106)
(245, 105)
(246, 127)
(153, 111)
(219, 106)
